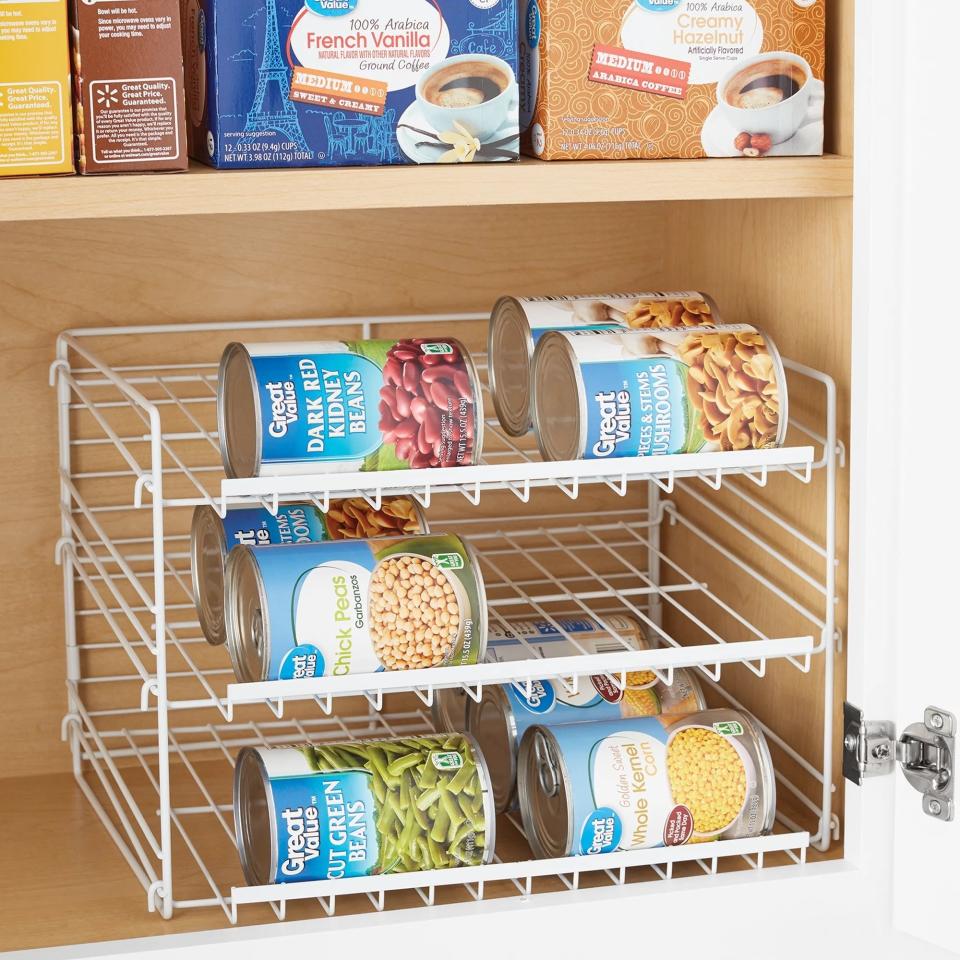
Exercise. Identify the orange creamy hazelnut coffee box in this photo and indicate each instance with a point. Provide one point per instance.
(610, 79)
(35, 123)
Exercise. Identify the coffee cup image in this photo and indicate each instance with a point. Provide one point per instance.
(768, 94)
(473, 90)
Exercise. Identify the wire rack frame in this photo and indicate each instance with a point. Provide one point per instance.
(130, 580)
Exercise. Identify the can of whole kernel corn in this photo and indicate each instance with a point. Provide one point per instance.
(348, 405)
(353, 606)
(518, 323)
(504, 713)
(635, 393)
(212, 537)
(588, 788)
(337, 810)
(525, 639)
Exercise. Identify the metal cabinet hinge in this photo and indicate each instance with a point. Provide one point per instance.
(924, 752)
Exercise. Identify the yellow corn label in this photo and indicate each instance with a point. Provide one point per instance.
(36, 129)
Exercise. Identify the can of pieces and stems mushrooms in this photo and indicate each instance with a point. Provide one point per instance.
(588, 788)
(504, 713)
(524, 638)
(212, 537)
(336, 810)
(353, 606)
(635, 393)
(518, 323)
(348, 405)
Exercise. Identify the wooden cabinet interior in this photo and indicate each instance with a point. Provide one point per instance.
(784, 264)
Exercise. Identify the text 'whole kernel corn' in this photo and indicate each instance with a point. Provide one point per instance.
(642, 782)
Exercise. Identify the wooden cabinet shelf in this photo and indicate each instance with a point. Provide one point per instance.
(529, 182)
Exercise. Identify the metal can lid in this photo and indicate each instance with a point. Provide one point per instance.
(560, 416)
(238, 413)
(509, 352)
(246, 616)
(543, 787)
(476, 386)
(491, 723)
(254, 818)
(208, 556)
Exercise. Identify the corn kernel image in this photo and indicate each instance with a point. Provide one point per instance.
(708, 777)
(638, 679)
(639, 703)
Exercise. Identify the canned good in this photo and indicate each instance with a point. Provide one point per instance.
(332, 811)
(504, 713)
(212, 537)
(628, 784)
(512, 643)
(353, 606)
(636, 393)
(346, 405)
(518, 323)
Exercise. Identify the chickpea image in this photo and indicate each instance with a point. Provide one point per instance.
(414, 613)
(708, 777)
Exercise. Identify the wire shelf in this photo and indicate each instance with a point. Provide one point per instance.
(139, 449)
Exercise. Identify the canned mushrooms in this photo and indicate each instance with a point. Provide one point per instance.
(353, 606)
(518, 323)
(348, 405)
(212, 537)
(590, 788)
(504, 713)
(513, 642)
(663, 390)
(331, 811)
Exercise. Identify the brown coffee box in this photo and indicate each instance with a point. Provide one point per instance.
(611, 79)
(128, 86)
(36, 128)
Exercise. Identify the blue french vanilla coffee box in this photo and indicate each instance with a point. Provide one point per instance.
(302, 83)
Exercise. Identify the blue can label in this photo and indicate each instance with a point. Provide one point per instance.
(258, 527)
(326, 616)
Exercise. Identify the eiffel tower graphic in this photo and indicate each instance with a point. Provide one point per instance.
(274, 71)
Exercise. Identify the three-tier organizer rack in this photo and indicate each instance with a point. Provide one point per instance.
(154, 719)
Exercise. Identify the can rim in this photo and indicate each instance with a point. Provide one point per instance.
(768, 779)
(244, 554)
(489, 804)
(227, 361)
(251, 757)
(509, 309)
(558, 336)
(206, 520)
(781, 374)
(525, 796)
(495, 692)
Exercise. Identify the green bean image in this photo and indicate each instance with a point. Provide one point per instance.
(430, 794)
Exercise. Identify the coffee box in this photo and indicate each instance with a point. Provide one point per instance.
(296, 83)
(128, 85)
(610, 79)
(35, 123)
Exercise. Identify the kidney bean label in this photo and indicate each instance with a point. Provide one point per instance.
(372, 404)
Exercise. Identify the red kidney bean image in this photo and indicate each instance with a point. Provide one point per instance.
(428, 405)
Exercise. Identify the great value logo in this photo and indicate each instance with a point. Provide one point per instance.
(331, 8)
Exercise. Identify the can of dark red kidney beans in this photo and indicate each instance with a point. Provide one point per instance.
(212, 537)
(332, 811)
(348, 405)
(587, 788)
(518, 323)
(636, 393)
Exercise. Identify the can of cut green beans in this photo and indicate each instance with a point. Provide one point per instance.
(588, 788)
(362, 808)
(564, 635)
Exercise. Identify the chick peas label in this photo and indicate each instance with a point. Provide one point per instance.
(319, 608)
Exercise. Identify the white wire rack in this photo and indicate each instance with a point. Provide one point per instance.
(138, 450)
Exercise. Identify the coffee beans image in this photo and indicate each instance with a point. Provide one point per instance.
(429, 405)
